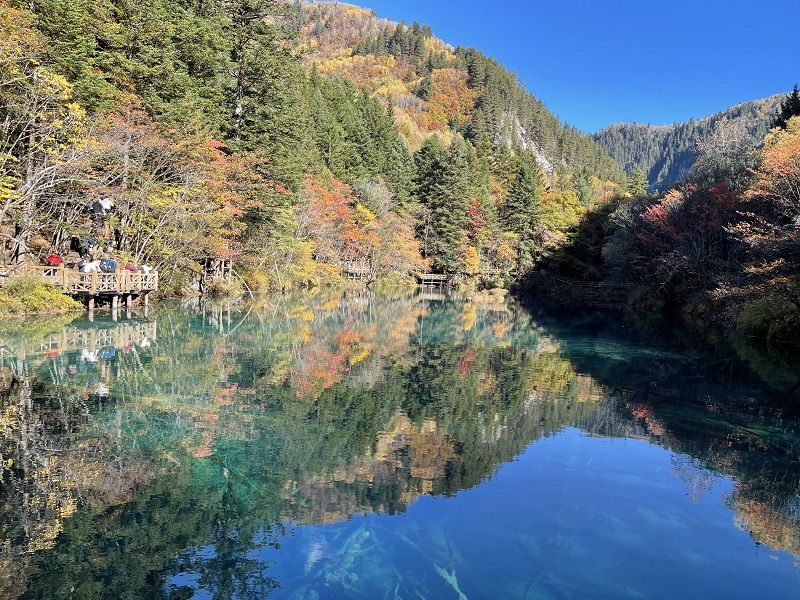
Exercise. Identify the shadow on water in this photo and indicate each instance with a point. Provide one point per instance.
(201, 447)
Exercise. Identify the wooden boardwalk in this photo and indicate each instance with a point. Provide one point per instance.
(432, 279)
(88, 286)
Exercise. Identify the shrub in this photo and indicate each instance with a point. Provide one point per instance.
(32, 295)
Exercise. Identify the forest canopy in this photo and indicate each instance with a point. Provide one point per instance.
(300, 142)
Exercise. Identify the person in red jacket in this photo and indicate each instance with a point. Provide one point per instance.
(53, 259)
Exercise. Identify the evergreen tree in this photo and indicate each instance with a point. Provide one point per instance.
(400, 173)
(637, 183)
(482, 213)
(68, 25)
(521, 207)
(790, 107)
(448, 204)
(267, 94)
(428, 162)
(424, 89)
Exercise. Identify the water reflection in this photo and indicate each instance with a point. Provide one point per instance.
(154, 456)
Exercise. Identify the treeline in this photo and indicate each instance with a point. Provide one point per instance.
(398, 41)
(667, 153)
(722, 249)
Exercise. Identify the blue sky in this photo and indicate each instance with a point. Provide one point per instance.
(596, 62)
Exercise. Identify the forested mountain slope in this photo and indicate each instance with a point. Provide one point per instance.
(667, 153)
(435, 88)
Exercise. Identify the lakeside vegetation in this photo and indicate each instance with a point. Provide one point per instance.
(304, 143)
(31, 295)
(720, 249)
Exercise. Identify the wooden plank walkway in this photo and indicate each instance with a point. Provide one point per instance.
(432, 279)
(88, 285)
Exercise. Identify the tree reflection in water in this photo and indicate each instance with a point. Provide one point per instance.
(171, 448)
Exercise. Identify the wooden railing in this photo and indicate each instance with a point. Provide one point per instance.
(432, 278)
(88, 284)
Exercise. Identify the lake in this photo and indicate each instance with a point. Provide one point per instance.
(419, 446)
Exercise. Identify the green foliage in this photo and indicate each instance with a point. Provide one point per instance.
(521, 209)
(771, 317)
(424, 89)
(506, 114)
(637, 183)
(790, 107)
(33, 295)
(398, 41)
(447, 183)
(205, 126)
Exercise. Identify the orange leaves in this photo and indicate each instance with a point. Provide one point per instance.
(778, 176)
(452, 100)
(343, 230)
(349, 235)
(401, 251)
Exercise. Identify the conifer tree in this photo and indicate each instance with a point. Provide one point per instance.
(637, 183)
(428, 162)
(424, 89)
(521, 207)
(400, 173)
(448, 204)
(790, 107)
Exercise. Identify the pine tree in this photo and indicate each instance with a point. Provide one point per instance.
(521, 207)
(424, 89)
(790, 107)
(448, 205)
(267, 94)
(637, 183)
(428, 162)
(400, 173)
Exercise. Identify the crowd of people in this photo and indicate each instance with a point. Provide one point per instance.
(84, 252)
(100, 265)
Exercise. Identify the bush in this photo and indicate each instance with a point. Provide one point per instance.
(393, 281)
(222, 288)
(34, 295)
(770, 317)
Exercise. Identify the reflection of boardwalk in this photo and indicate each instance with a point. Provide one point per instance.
(71, 339)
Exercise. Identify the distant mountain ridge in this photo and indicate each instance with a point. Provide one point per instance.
(666, 153)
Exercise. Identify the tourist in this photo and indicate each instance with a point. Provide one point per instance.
(108, 265)
(90, 267)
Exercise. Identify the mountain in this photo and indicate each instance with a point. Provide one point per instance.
(666, 153)
(435, 88)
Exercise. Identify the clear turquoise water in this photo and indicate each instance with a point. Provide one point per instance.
(418, 447)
